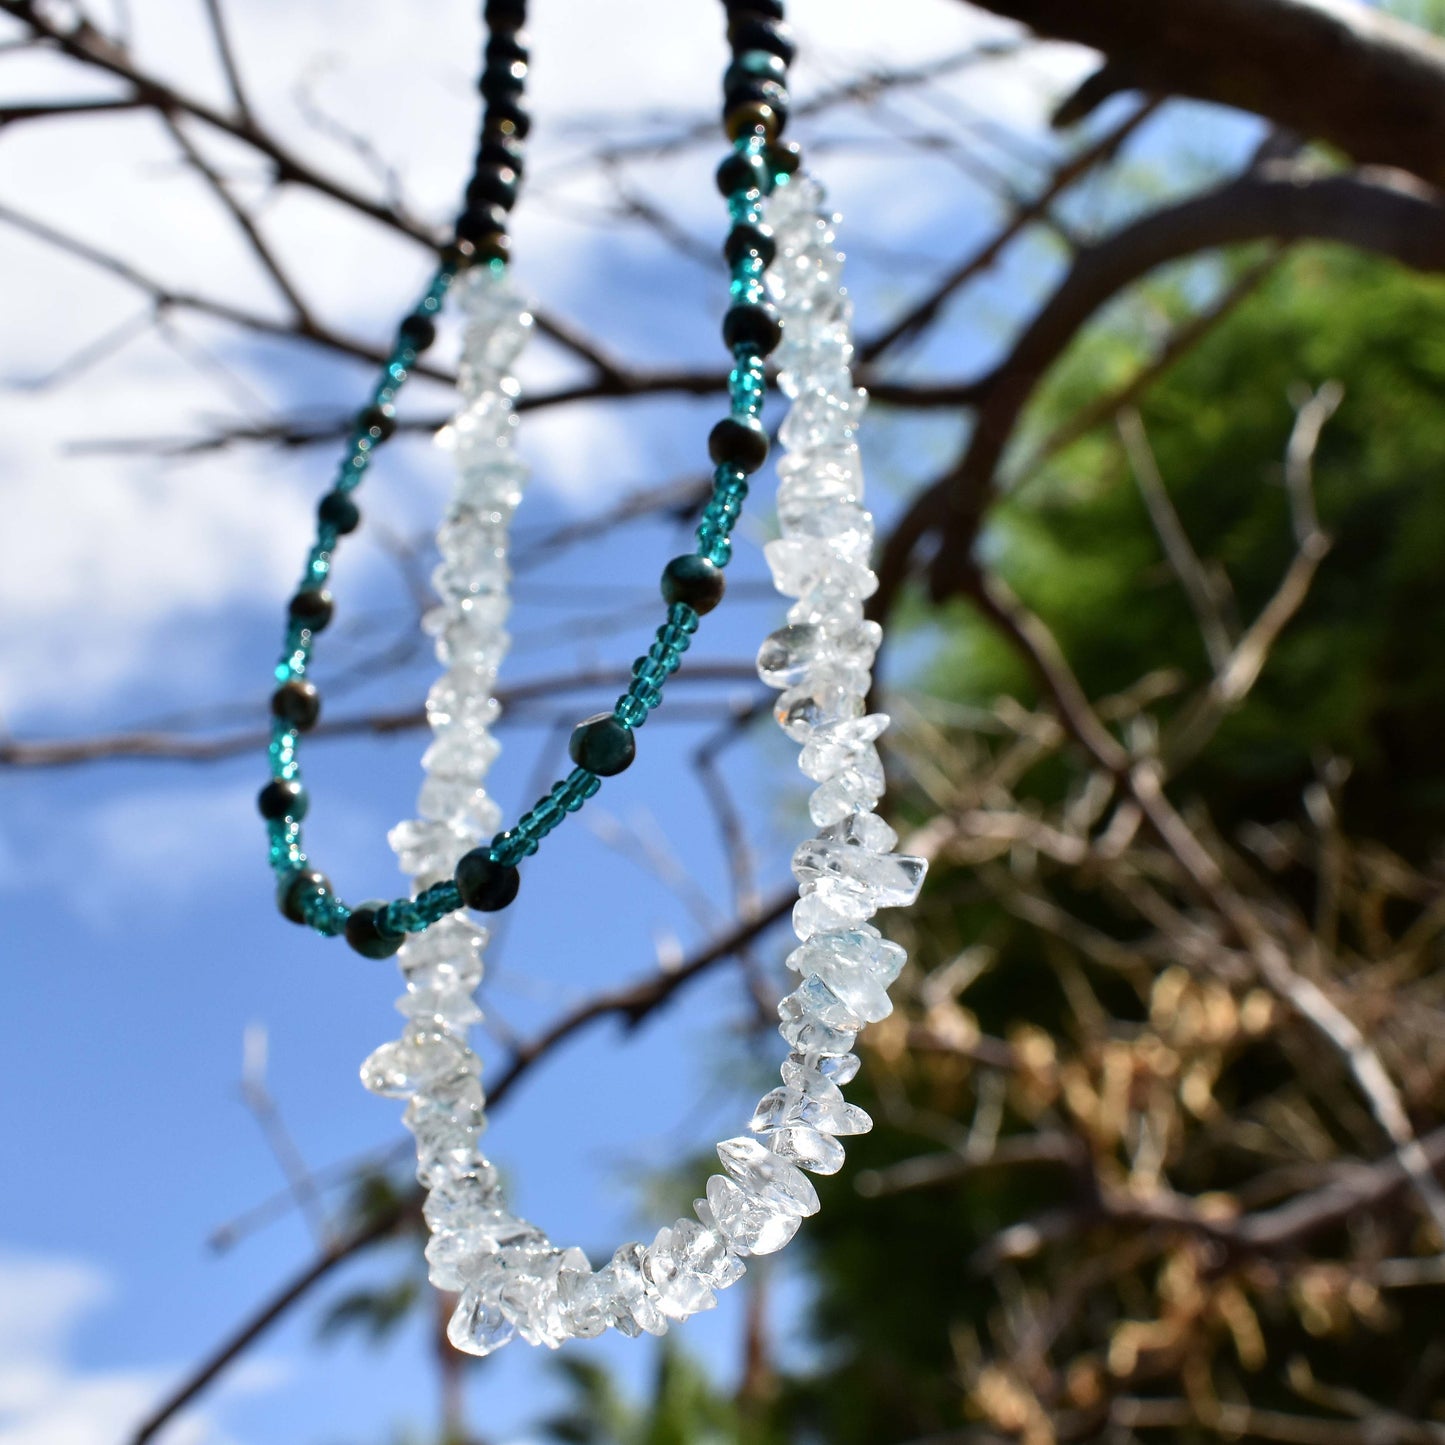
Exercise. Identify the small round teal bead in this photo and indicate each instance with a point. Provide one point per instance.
(364, 934)
(603, 745)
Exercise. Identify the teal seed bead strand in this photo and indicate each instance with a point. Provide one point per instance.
(295, 703)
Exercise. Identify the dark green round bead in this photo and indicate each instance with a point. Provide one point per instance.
(751, 65)
(505, 114)
(744, 240)
(418, 331)
(604, 745)
(501, 150)
(493, 186)
(755, 91)
(694, 581)
(484, 883)
(738, 441)
(297, 703)
(282, 798)
(756, 326)
(785, 157)
(741, 172)
(364, 934)
(379, 421)
(339, 511)
(758, 32)
(312, 608)
(294, 890)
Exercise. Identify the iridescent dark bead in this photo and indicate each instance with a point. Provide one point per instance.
(744, 240)
(282, 798)
(312, 608)
(741, 172)
(752, 65)
(756, 326)
(751, 88)
(785, 157)
(294, 889)
(693, 581)
(604, 745)
(494, 246)
(363, 934)
(759, 32)
(483, 220)
(297, 703)
(751, 119)
(418, 331)
(484, 883)
(378, 421)
(739, 441)
(493, 186)
(336, 509)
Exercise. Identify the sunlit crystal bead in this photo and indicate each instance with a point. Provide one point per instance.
(582, 1299)
(477, 1325)
(788, 654)
(830, 749)
(635, 1306)
(827, 475)
(417, 1061)
(451, 1257)
(450, 1115)
(764, 1175)
(461, 750)
(428, 846)
(531, 1300)
(862, 830)
(886, 880)
(751, 1224)
(452, 1009)
(806, 1147)
(449, 948)
(679, 1292)
(703, 1249)
(826, 908)
(814, 704)
(801, 565)
(459, 801)
(854, 788)
(822, 419)
(462, 697)
(861, 950)
(802, 1071)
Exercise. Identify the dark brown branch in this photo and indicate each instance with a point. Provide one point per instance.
(1383, 104)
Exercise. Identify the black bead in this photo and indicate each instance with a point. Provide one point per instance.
(282, 798)
(506, 115)
(751, 119)
(363, 934)
(337, 510)
(312, 608)
(379, 421)
(478, 221)
(484, 883)
(505, 15)
(293, 891)
(501, 150)
(503, 79)
(297, 703)
(755, 326)
(418, 331)
(785, 157)
(740, 442)
(744, 240)
(768, 9)
(513, 47)
(693, 581)
(604, 745)
(493, 186)
(494, 246)
(740, 172)
(459, 254)
(752, 31)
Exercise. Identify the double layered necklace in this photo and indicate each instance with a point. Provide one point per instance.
(786, 301)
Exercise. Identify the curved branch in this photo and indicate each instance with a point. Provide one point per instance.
(1333, 70)
(1383, 213)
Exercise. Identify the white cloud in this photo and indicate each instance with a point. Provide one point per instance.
(45, 1398)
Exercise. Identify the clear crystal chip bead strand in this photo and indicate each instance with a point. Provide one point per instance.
(513, 1281)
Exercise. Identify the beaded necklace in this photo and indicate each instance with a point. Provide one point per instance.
(785, 295)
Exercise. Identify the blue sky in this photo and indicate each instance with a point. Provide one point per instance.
(141, 942)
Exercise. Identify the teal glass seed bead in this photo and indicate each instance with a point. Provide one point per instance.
(631, 709)
(577, 787)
